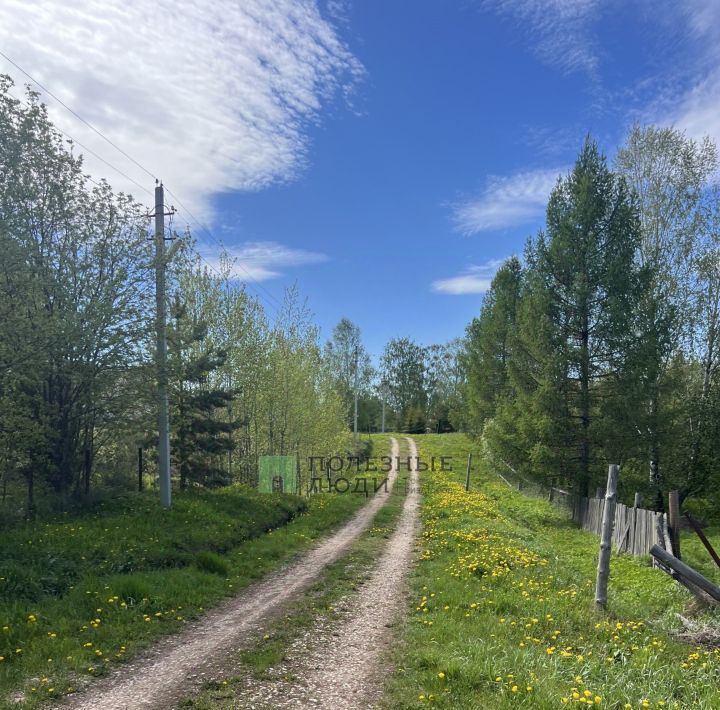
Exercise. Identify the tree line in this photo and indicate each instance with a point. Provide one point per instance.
(419, 388)
(77, 373)
(602, 344)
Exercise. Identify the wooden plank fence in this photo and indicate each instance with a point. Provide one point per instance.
(635, 530)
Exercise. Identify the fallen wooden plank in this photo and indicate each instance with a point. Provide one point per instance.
(704, 597)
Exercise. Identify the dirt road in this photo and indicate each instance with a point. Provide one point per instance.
(177, 664)
(342, 667)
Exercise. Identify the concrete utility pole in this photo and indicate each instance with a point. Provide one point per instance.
(382, 426)
(355, 418)
(162, 376)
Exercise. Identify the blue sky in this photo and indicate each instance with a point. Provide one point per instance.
(386, 156)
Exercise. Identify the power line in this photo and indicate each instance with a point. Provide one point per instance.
(210, 266)
(99, 157)
(221, 275)
(222, 246)
(78, 116)
(203, 227)
(70, 137)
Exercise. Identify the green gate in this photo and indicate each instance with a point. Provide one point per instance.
(277, 474)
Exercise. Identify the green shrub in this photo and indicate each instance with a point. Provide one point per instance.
(361, 449)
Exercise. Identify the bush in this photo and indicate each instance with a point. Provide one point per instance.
(210, 562)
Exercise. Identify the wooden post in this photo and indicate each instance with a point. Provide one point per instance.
(603, 570)
(674, 522)
(659, 534)
(467, 474)
(667, 540)
(637, 503)
(140, 468)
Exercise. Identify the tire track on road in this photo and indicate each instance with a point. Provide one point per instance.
(345, 669)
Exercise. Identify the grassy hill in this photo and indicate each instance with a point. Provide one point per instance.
(502, 614)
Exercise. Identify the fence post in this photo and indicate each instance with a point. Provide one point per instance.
(674, 522)
(632, 544)
(603, 570)
(467, 474)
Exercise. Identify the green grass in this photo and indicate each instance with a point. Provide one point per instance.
(319, 604)
(502, 614)
(694, 553)
(81, 593)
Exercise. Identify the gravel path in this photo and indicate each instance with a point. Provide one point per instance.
(178, 664)
(341, 666)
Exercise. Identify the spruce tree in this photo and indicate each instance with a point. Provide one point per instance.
(488, 348)
(589, 286)
(200, 435)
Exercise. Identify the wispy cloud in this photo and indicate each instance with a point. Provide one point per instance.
(698, 111)
(507, 202)
(552, 141)
(259, 261)
(689, 97)
(475, 279)
(559, 30)
(220, 100)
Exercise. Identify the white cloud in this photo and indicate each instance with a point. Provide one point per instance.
(475, 279)
(559, 29)
(259, 261)
(507, 201)
(211, 96)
